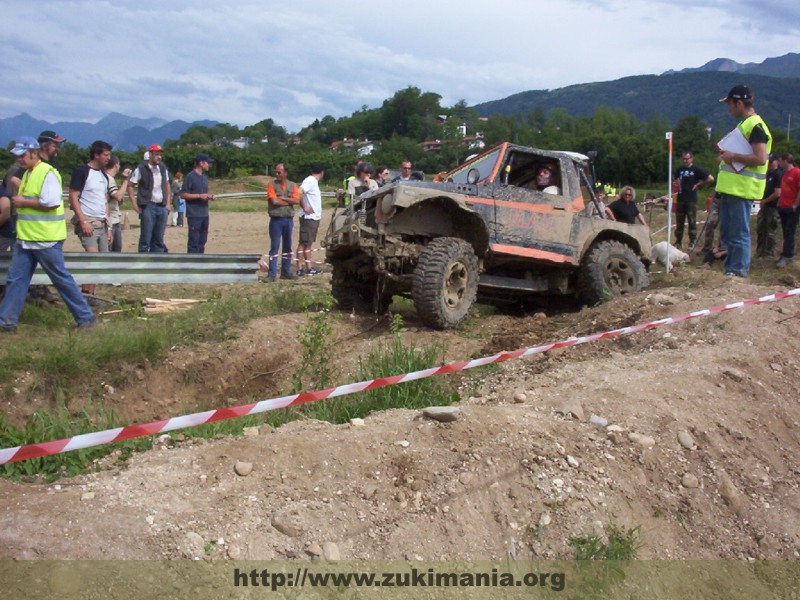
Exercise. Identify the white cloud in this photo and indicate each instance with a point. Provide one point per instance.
(248, 61)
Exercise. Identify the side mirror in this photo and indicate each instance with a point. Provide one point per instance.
(473, 175)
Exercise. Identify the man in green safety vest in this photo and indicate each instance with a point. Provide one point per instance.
(41, 231)
(742, 177)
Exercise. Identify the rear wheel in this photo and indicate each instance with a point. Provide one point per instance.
(610, 269)
(445, 282)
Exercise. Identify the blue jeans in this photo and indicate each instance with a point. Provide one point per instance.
(280, 228)
(198, 235)
(734, 229)
(20, 272)
(153, 220)
(789, 217)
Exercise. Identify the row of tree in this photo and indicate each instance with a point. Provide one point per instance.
(628, 150)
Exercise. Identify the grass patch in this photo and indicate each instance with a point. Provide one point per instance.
(47, 426)
(622, 544)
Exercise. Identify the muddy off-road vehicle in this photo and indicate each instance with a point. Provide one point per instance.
(484, 232)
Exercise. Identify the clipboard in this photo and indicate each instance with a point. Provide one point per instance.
(735, 142)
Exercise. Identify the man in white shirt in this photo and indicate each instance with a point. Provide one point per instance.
(151, 203)
(310, 215)
(88, 198)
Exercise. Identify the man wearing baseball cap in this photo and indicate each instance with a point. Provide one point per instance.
(41, 231)
(151, 203)
(742, 178)
(195, 192)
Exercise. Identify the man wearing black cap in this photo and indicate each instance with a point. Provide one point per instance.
(195, 192)
(742, 177)
(767, 220)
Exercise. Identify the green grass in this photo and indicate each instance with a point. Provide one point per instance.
(622, 544)
(47, 426)
(68, 360)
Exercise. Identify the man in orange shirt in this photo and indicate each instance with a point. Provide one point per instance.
(283, 197)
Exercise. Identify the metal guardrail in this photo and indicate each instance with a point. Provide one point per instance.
(132, 268)
(262, 195)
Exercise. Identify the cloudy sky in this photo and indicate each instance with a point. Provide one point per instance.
(244, 61)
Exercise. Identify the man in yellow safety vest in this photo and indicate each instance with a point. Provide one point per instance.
(41, 231)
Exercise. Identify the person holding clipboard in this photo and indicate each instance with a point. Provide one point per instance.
(742, 177)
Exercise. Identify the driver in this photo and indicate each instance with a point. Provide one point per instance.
(547, 179)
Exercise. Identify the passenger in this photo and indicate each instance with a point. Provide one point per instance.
(624, 208)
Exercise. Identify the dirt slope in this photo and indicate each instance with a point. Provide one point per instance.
(519, 472)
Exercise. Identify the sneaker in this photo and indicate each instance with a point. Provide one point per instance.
(783, 262)
(269, 280)
(91, 323)
(5, 328)
(301, 272)
(287, 276)
(313, 271)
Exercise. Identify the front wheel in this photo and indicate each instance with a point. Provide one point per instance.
(608, 270)
(445, 282)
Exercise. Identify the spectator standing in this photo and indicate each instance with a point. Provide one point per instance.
(41, 231)
(624, 208)
(788, 208)
(310, 216)
(597, 208)
(738, 188)
(195, 193)
(382, 176)
(88, 198)
(405, 172)
(363, 181)
(151, 180)
(116, 194)
(283, 196)
(178, 203)
(767, 219)
(7, 221)
(690, 177)
(710, 227)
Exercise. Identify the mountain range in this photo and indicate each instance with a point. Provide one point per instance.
(671, 96)
(121, 131)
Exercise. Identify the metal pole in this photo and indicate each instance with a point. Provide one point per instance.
(669, 199)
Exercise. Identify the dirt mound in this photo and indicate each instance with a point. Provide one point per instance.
(688, 431)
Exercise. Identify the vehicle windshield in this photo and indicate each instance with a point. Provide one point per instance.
(485, 164)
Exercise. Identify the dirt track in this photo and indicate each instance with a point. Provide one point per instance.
(513, 477)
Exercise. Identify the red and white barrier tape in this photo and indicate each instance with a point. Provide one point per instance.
(263, 262)
(89, 440)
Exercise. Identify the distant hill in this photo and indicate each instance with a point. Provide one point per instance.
(784, 66)
(121, 131)
(671, 96)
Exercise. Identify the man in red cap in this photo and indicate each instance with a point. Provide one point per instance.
(151, 203)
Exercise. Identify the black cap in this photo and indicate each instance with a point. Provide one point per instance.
(774, 156)
(738, 92)
(203, 157)
(50, 136)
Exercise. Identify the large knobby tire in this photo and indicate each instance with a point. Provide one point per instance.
(608, 270)
(445, 282)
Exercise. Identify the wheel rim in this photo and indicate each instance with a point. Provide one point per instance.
(620, 277)
(455, 285)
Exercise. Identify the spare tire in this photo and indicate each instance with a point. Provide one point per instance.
(445, 282)
(608, 270)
